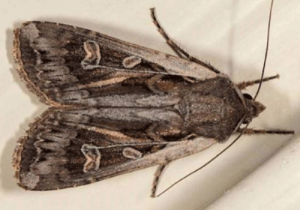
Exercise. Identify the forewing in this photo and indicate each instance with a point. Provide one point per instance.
(67, 148)
(66, 65)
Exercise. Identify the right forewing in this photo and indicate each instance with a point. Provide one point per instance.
(66, 65)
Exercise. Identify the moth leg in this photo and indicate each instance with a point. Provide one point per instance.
(151, 83)
(181, 53)
(178, 50)
(157, 175)
(243, 85)
(157, 131)
(250, 131)
(152, 134)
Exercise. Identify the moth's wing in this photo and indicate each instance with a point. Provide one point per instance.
(64, 149)
(66, 65)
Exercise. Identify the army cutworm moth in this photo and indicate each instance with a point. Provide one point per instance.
(116, 107)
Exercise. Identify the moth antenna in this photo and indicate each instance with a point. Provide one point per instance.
(211, 160)
(244, 129)
(267, 49)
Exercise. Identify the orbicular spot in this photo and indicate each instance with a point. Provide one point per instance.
(131, 153)
(93, 157)
(93, 55)
(131, 61)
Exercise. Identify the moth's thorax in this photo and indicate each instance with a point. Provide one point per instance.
(211, 108)
(204, 108)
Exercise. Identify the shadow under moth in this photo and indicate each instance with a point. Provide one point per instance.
(116, 107)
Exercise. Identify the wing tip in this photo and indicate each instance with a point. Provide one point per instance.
(23, 34)
(17, 155)
(19, 62)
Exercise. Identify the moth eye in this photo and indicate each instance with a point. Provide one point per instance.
(248, 96)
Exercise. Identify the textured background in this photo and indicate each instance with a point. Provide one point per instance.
(231, 35)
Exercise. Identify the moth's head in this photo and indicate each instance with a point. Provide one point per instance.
(253, 108)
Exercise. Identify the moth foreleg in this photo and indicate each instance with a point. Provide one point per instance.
(157, 175)
(178, 50)
(152, 82)
(157, 131)
(181, 53)
(250, 131)
(243, 85)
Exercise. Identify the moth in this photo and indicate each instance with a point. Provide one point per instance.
(116, 107)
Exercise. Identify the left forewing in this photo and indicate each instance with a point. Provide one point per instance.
(64, 149)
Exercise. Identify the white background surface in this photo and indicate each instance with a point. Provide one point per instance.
(231, 35)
